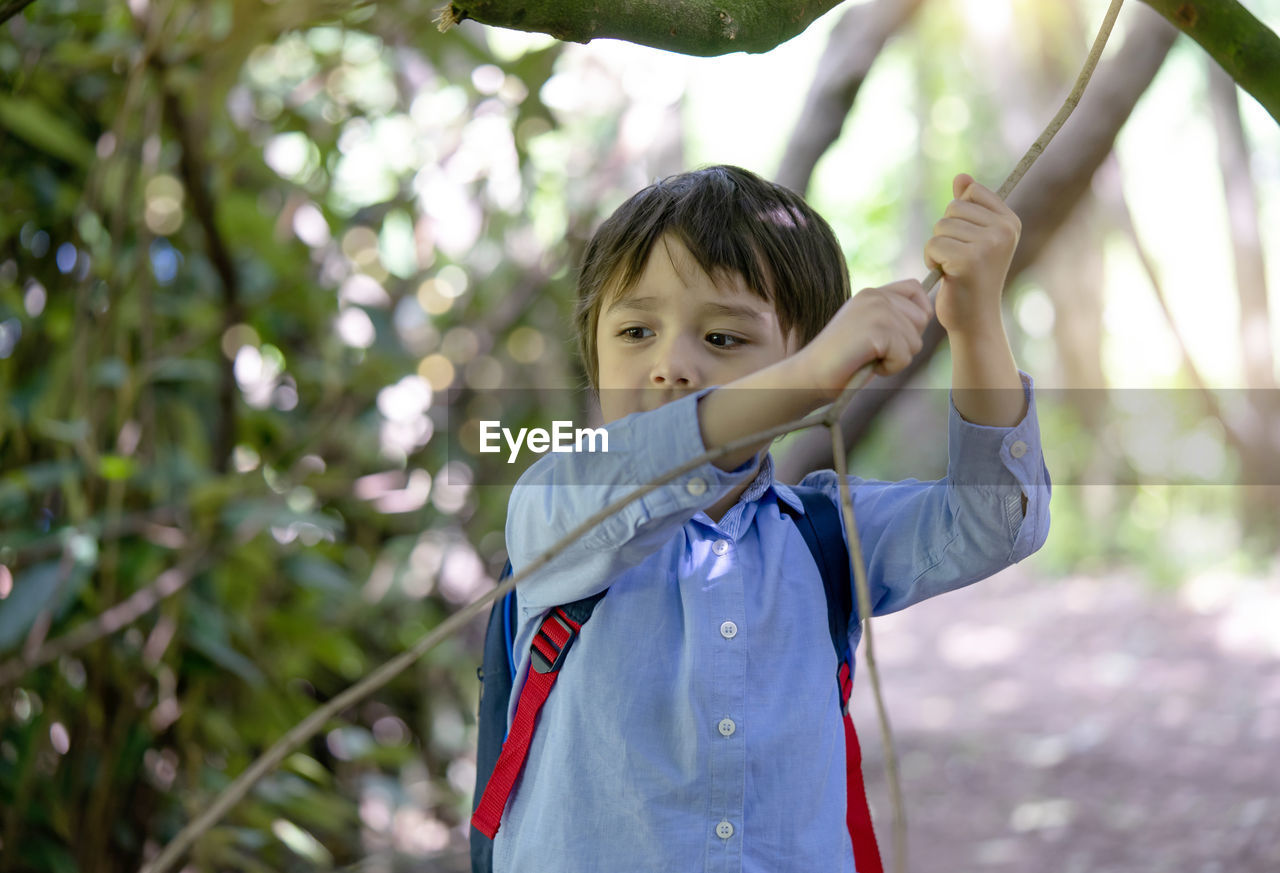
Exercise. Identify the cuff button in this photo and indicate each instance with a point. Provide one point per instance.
(1018, 448)
(697, 486)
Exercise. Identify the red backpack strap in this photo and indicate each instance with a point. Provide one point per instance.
(866, 853)
(550, 644)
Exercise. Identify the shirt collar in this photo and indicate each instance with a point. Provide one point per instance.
(764, 481)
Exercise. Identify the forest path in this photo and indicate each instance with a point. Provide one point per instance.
(1083, 724)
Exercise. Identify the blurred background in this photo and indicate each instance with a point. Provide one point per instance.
(263, 265)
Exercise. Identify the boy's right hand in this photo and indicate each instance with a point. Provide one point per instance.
(877, 325)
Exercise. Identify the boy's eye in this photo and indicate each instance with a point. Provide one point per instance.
(731, 340)
(717, 339)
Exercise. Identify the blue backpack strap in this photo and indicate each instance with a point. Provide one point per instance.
(820, 525)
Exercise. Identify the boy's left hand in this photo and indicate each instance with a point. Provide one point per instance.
(973, 245)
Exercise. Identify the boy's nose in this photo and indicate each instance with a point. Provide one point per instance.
(675, 366)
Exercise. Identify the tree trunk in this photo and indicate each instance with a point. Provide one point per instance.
(852, 48)
(1256, 421)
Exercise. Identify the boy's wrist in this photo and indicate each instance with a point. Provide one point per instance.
(979, 332)
(810, 379)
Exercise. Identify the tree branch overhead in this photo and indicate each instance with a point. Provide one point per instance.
(692, 27)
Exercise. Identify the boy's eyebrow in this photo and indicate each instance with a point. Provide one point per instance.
(650, 304)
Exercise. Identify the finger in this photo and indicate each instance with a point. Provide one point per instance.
(959, 184)
(892, 360)
(910, 294)
(970, 211)
(984, 196)
(958, 229)
(914, 310)
(943, 253)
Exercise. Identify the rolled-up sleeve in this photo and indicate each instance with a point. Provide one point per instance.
(920, 539)
(561, 491)
(1001, 465)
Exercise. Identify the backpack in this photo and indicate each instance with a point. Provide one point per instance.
(500, 756)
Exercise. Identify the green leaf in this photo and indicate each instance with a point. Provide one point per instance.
(110, 372)
(314, 571)
(32, 121)
(220, 652)
(34, 589)
(116, 467)
(185, 370)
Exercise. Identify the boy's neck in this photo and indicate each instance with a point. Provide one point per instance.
(717, 510)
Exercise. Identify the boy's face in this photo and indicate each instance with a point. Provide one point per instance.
(677, 331)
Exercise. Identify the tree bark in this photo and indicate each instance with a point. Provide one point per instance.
(852, 48)
(691, 27)
(1043, 201)
(1255, 420)
(1245, 47)
(1246, 241)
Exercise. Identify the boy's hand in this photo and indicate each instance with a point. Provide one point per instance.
(973, 246)
(877, 325)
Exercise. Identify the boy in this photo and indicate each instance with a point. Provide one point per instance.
(696, 724)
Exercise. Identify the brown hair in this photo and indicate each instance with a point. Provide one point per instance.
(730, 220)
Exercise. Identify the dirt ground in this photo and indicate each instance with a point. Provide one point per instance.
(1089, 724)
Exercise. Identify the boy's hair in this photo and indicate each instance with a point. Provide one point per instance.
(730, 220)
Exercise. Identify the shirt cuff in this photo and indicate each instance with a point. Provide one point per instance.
(1008, 461)
(653, 443)
(978, 454)
(671, 433)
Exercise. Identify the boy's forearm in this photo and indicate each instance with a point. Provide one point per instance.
(768, 397)
(985, 383)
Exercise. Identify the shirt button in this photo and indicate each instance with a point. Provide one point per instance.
(724, 830)
(697, 486)
(728, 630)
(1018, 448)
(720, 547)
(727, 727)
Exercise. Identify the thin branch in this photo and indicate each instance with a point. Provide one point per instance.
(156, 527)
(383, 674)
(195, 180)
(862, 590)
(121, 615)
(10, 8)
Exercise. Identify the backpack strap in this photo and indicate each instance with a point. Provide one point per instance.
(559, 629)
(821, 526)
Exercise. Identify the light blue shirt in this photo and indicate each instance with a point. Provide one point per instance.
(696, 724)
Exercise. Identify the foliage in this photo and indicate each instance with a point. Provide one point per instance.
(253, 258)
